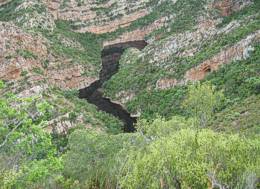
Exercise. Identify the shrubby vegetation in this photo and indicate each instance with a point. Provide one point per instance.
(139, 74)
(241, 117)
(238, 81)
(27, 155)
(31, 157)
(185, 12)
(179, 141)
(87, 53)
(177, 161)
(177, 153)
(201, 102)
(92, 158)
(110, 124)
(163, 154)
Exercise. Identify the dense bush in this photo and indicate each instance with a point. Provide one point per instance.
(175, 161)
(201, 102)
(163, 154)
(92, 157)
(238, 80)
(27, 155)
(176, 153)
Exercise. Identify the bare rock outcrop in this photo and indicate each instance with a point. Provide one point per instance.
(19, 51)
(238, 51)
(70, 77)
(111, 26)
(96, 17)
(138, 34)
(3, 2)
(34, 15)
(226, 7)
(165, 83)
(22, 56)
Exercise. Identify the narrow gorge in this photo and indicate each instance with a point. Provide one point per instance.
(129, 94)
(110, 64)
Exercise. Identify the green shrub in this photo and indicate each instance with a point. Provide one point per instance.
(175, 161)
(201, 102)
(26, 54)
(27, 155)
(162, 154)
(92, 158)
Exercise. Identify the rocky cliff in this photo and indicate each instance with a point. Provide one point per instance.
(223, 36)
(99, 17)
(129, 94)
(47, 44)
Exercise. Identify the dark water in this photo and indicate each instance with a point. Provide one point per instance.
(110, 65)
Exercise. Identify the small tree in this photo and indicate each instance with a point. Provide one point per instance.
(201, 101)
(27, 155)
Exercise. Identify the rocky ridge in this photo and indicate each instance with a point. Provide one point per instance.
(189, 56)
(98, 17)
(38, 53)
(26, 55)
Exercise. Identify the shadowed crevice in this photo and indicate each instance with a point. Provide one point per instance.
(110, 65)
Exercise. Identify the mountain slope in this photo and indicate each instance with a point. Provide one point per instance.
(51, 51)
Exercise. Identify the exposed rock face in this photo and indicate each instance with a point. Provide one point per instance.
(166, 83)
(138, 34)
(108, 16)
(237, 52)
(125, 96)
(35, 15)
(96, 17)
(61, 124)
(69, 78)
(227, 7)
(18, 51)
(22, 54)
(187, 43)
(169, 62)
(33, 91)
(2, 2)
(114, 25)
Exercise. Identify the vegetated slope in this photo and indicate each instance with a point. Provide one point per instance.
(224, 50)
(43, 63)
(51, 139)
(41, 56)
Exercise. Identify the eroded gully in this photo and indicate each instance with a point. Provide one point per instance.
(110, 65)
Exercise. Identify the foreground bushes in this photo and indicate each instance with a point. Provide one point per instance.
(162, 155)
(177, 162)
(28, 158)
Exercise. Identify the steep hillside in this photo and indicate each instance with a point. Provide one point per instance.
(40, 55)
(129, 94)
(153, 81)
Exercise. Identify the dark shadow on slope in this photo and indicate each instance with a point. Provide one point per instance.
(110, 65)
